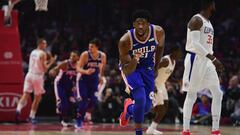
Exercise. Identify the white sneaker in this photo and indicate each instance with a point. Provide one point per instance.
(65, 124)
(151, 131)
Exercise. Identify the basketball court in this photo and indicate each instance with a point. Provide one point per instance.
(101, 129)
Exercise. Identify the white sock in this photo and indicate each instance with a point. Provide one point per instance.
(32, 114)
(216, 106)
(187, 109)
(153, 125)
(20, 106)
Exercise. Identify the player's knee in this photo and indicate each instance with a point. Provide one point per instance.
(166, 104)
(140, 101)
(216, 92)
(191, 96)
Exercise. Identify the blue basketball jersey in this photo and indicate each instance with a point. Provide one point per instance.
(69, 75)
(147, 48)
(93, 63)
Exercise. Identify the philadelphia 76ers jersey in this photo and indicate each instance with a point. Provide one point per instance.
(147, 48)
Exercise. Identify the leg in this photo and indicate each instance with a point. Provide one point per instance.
(216, 106)
(82, 102)
(22, 102)
(27, 90)
(62, 100)
(38, 83)
(160, 111)
(187, 109)
(139, 96)
(35, 104)
(135, 82)
(217, 96)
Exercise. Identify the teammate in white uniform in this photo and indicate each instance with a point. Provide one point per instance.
(200, 66)
(160, 101)
(34, 80)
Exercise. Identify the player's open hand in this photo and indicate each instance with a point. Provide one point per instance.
(52, 73)
(90, 71)
(219, 66)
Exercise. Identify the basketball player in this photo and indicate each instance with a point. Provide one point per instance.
(200, 66)
(34, 80)
(90, 68)
(160, 101)
(64, 84)
(137, 50)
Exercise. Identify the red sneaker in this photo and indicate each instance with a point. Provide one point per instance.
(123, 121)
(187, 132)
(216, 132)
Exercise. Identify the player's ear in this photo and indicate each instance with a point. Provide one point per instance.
(134, 24)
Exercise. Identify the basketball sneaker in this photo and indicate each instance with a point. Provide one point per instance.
(65, 123)
(216, 132)
(78, 124)
(17, 117)
(124, 117)
(32, 120)
(187, 132)
(151, 131)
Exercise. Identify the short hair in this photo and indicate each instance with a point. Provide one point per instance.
(76, 52)
(96, 41)
(206, 3)
(141, 13)
(40, 40)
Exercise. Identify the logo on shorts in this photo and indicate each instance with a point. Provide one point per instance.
(8, 55)
(151, 95)
(8, 101)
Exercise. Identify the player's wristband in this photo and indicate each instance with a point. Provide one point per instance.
(214, 59)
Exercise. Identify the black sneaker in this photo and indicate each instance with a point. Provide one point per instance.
(32, 120)
(17, 117)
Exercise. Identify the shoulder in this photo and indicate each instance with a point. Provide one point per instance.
(159, 32)
(42, 53)
(125, 42)
(125, 37)
(158, 28)
(195, 23)
(102, 53)
(84, 56)
(85, 53)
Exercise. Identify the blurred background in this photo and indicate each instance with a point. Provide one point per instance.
(71, 24)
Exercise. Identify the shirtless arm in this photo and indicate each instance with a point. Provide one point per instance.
(53, 72)
(160, 48)
(46, 65)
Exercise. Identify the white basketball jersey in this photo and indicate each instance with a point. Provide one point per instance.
(206, 36)
(165, 72)
(35, 64)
